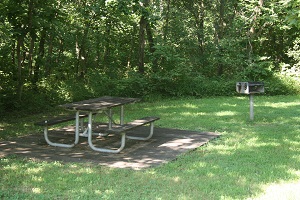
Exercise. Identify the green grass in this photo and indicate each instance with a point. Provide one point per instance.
(257, 159)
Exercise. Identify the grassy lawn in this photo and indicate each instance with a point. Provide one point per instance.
(257, 159)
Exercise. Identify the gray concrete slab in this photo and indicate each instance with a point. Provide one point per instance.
(164, 146)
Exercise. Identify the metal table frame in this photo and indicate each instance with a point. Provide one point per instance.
(92, 106)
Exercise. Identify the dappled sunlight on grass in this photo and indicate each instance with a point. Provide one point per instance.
(281, 104)
(225, 113)
(279, 191)
(257, 159)
(229, 104)
(191, 114)
(36, 190)
(189, 105)
(255, 142)
(196, 114)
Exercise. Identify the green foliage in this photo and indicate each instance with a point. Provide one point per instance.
(293, 14)
(59, 51)
(259, 68)
(282, 85)
(176, 84)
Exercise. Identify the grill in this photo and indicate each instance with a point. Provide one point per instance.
(250, 88)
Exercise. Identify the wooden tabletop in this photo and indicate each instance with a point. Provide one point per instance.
(99, 103)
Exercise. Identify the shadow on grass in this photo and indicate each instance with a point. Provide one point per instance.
(248, 156)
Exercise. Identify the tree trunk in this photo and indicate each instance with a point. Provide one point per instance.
(60, 53)
(219, 34)
(200, 26)
(196, 8)
(40, 58)
(83, 53)
(48, 64)
(13, 52)
(151, 47)
(166, 26)
(30, 56)
(32, 37)
(141, 51)
(251, 33)
(20, 74)
(106, 57)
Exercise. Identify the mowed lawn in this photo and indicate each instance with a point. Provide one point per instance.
(257, 159)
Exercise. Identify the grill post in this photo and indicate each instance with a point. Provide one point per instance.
(250, 88)
(251, 98)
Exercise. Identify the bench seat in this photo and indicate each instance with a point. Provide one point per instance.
(133, 124)
(120, 129)
(58, 120)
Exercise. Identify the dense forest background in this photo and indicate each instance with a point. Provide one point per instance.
(56, 51)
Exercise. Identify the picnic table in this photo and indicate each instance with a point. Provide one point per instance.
(90, 107)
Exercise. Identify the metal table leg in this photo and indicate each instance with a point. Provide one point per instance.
(103, 149)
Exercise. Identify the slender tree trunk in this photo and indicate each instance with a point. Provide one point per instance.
(49, 62)
(141, 52)
(151, 47)
(200, 26)
(20, 74)
(83, 53)
(98, 51)
(219, 34)
(132, 47)
(77, 49)
(32, 37)
(60, 52)
(30, 56)
(196, 8)
(107, 40)
(251, 33)
(13, 52)
(40, 58)
(166, 25)
(143, 26)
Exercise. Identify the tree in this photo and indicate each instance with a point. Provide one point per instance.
(46, 45)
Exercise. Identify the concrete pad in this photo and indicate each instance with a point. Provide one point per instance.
(165, 145)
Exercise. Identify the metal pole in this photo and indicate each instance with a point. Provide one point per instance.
(110, 119)
(122, 115)
(251, 97)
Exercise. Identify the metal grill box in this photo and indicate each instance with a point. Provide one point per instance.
(250, 87)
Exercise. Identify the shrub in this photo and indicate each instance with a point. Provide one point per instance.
(51, 92)
(282, 85)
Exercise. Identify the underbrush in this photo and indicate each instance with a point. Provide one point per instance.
(52, 92)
